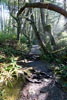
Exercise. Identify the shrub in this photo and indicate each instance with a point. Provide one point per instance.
(23, 39)
(6, 37)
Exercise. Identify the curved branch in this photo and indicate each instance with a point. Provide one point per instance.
(43, 5)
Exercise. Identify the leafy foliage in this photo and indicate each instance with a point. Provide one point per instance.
(62, 74)
(10, 46)
(9, 78)
(10, 73)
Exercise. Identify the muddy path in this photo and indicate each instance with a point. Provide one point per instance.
(41, 87)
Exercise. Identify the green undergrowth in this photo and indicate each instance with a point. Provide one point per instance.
(11, 92)
(6, 37)
(59, 60)
(9, 78)
(9, 45)
(12, 77)
(61, 73)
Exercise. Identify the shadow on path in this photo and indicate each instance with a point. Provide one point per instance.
(46, 90)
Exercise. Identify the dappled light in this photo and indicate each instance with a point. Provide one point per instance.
(33, 49)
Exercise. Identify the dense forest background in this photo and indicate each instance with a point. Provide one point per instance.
(22, 28)
(51, 26)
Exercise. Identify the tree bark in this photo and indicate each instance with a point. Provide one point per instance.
(38, 38)
(18, 28)
(43, 5)
(18, 23)
(44, 27)
(51, 37)
(65, 4)
(37, 34)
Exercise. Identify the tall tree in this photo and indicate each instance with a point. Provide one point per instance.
(45, 30)
(18, 23)
(65, 4)
(42, 5)
(37, 33)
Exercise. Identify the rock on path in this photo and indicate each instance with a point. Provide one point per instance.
(43, 91)
(46, 90)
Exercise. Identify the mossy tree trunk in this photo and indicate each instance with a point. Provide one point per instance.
(37, 34)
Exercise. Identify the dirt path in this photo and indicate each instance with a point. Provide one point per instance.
(41, 87)
(35, 50)
(46, 89)
(42, 91)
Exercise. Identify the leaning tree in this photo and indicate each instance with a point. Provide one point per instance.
(43, 5)
(48, 6)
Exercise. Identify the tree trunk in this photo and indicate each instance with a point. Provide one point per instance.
(38, 38)
(14, 12)
(45, 29)
(2, 23)
(42, 17)
(51, 37)
(18, 23)
(65, 4)
(43, 20)
(18, 28)
(37, 34)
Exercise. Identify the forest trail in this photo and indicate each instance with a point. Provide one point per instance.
(35, 50)
(42, 87)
